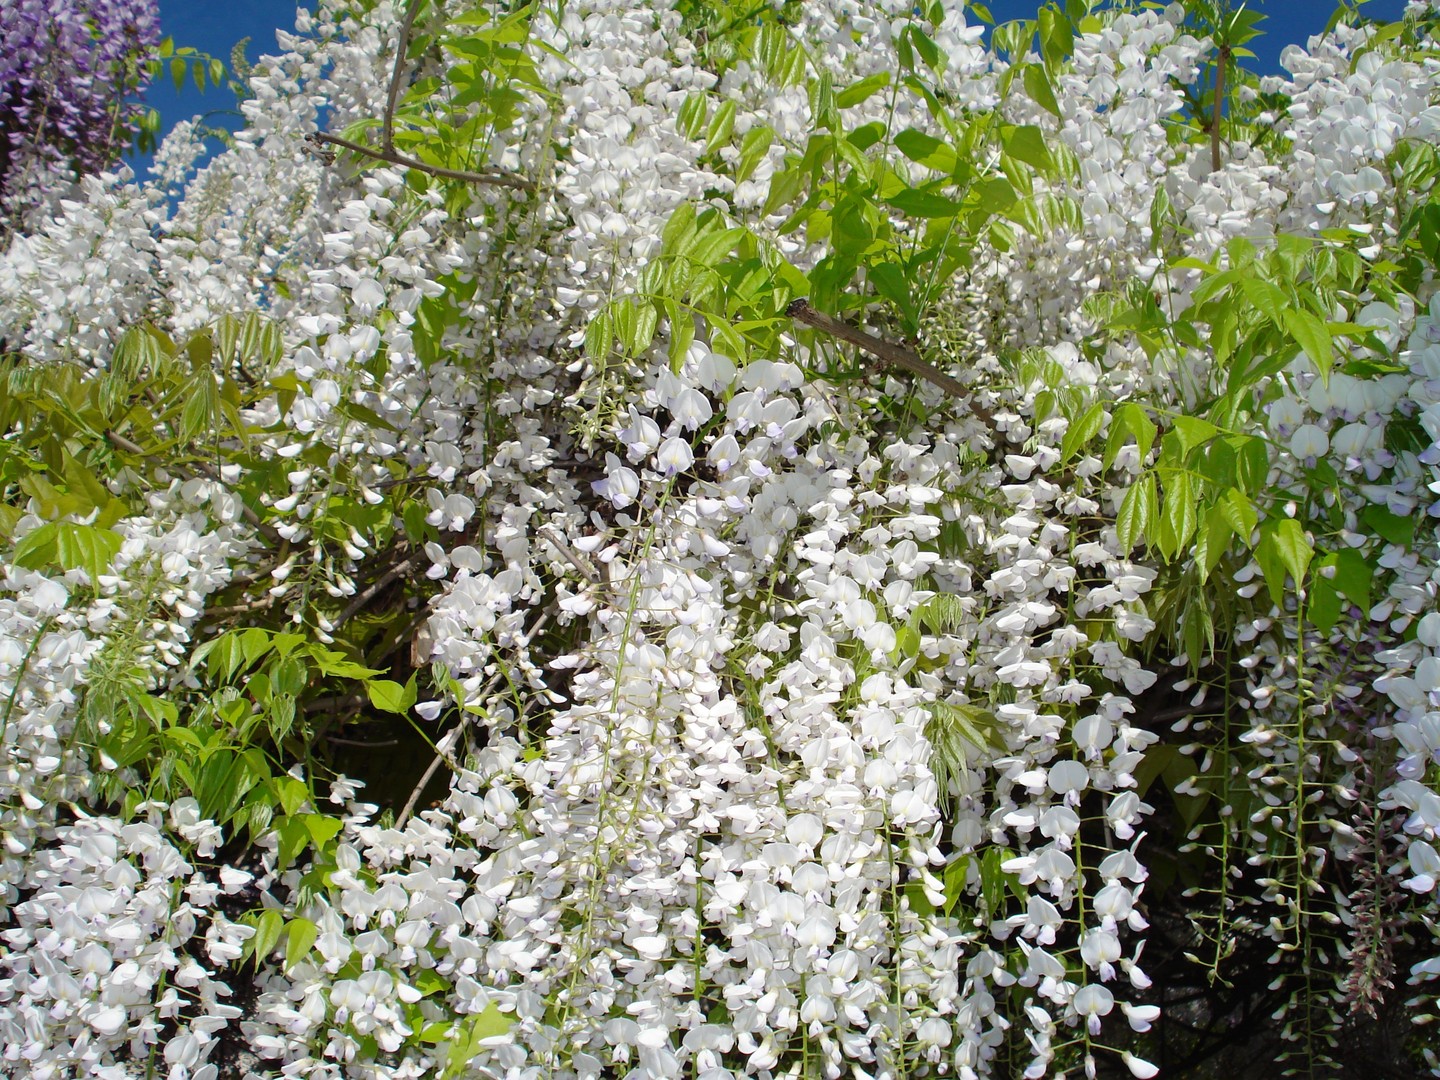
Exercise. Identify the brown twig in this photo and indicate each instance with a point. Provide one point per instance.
(387, 151)
(394, 158)
(363, 598)
(339, 740)
(263, 603)
(1215, 111)
(392, 99)
(801, 311)
(465, 718)
(333, 703)
(553, 537)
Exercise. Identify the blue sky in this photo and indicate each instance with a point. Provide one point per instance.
(214, 28)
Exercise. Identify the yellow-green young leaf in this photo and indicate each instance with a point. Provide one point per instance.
(1267, 298)
(1081, 431)
(647, 318)
(84, 547)
(855, 94)
(269, 925)
(492, 1023)
(1188, 433)
(927, 150)
(300, 935)
(1137, 512)
(386, 695)
(721, 127)
(1026, 143)
(693, 112)
(600, 335)
(1037, 85)
(752, 150)
(291, 793)
(1283, 548)
(322, 828)
(1313, 336)
(682, 332)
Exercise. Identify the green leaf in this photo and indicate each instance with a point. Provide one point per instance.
(269, 925)
(907, 643)
(1189, 432)
(710, 247)
(386, 695)
(492, 1023)
(927, 150)
(1314, 338)
(292, 836)
(691, 119)
(1267, 298)
(1252, 459)
(1390, 527)
(1179, 513)
(890, 282)
(1081, 431)
(1212, 541)
(1057, 40)
(1238, 512)
(784, 187)
(1283, 549)
(722, 127)
(994, 196)
(1037, 85)
(1354, 576)
(924, 204)
(853, 95)
(1129, 420)
(300, 935)
(753, 149)
(1026, 143)
(1323, 608)
(1137, 512)
(37, 550)
(600, 335)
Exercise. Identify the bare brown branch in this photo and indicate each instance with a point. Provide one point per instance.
(392, 99)
(802, 311)
(496, 179)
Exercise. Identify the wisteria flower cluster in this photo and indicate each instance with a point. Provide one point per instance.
(68, 75)
(942, 705)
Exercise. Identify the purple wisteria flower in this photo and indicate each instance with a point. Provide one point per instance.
(68, 74)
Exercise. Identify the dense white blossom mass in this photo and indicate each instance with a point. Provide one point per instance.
(711, 834)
